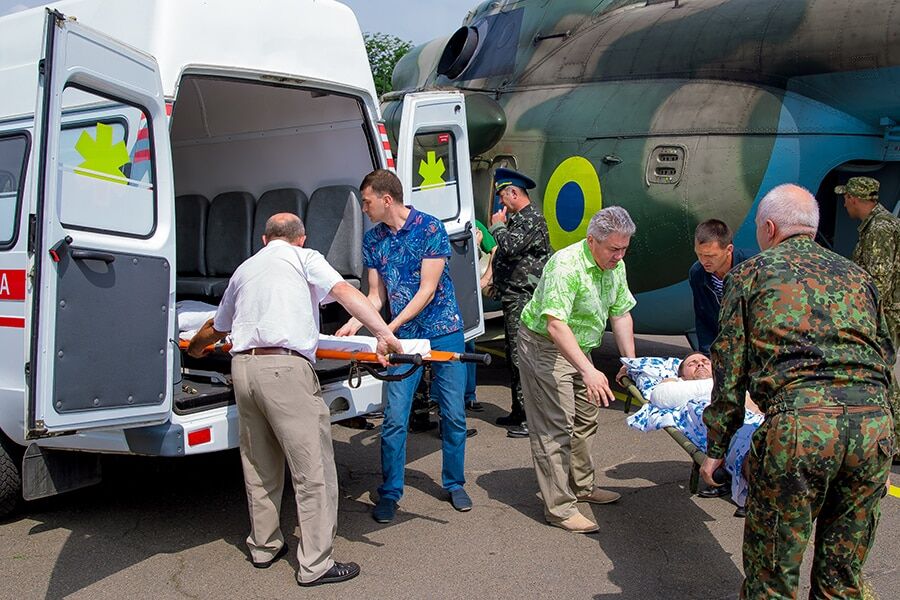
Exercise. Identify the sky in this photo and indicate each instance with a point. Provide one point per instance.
(417, 21)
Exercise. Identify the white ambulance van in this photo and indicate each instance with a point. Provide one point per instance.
(143, 145)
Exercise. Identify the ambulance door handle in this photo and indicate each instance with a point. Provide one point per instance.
(93, 255)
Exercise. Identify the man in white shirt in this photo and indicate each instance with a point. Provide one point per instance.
(271, 308)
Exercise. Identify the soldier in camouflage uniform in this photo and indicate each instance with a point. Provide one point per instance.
(802, 331)
(523, 247)
(878, 249)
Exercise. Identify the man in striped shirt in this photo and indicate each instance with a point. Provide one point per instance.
(716, 255)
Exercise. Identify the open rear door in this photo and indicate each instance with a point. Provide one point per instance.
(102, 245)
(433, 165)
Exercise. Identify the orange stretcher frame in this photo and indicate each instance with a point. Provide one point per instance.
(371, 357)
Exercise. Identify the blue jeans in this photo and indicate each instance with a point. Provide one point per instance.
(470, 376)
(447, 388)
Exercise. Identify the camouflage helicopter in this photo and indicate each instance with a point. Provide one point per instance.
(677, 110)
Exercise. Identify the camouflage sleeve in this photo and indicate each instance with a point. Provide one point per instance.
(513, 242)
(888, 351)
(882, 252)
(725, 414)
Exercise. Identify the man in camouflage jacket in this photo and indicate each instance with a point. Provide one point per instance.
(878, 249)
(523, 247)
(802, 331)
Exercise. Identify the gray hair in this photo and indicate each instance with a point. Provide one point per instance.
(793, 209)
(284, 226)
(610, 220)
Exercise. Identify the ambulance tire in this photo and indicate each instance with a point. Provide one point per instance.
(10, 481)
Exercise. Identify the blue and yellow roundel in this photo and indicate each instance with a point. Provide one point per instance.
(570, 200)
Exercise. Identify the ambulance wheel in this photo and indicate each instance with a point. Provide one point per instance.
(10, 482)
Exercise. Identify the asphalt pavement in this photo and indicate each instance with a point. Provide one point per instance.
(175, 528)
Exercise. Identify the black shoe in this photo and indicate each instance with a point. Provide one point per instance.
(510, 419)
(475, 407)
(518, 431)
(385, 510)
(460, 500)
(266, 564)
(714, 492)
(337, 573)
(741, 512)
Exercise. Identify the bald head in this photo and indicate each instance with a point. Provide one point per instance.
(784, 212)
(284, 226)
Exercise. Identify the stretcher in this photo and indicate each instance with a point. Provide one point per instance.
(364, 361)
(697, 455)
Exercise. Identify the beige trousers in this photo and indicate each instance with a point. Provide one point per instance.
(282, 416)
(561, 424)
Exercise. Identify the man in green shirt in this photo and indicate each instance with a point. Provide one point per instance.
(582, 287)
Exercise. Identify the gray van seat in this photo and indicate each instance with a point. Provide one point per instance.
(190, 243)
(228, 231)
(334, 227)
(290, 200)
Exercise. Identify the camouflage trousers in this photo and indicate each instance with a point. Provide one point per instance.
(512, 313)
(808, 467)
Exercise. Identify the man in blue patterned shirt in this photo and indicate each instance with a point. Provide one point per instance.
(406, 255)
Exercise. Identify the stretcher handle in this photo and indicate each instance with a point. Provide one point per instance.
(475, 357)
(444, 356)
(405, 359)
(219, 347)
(370, 357)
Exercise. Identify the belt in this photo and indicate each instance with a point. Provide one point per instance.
(841, 410)
(272, 351)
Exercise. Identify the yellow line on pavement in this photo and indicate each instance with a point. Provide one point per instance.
(894, 491)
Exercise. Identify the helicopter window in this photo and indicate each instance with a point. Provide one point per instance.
(435, 187)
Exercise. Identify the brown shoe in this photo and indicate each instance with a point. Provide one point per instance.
(577, 523)
(599, 496)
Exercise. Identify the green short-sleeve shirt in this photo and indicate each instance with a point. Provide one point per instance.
(576, 291)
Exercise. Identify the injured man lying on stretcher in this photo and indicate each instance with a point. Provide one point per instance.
(677, 391)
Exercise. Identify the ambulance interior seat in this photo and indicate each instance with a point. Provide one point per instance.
(228, 228)
(272, 202)
(191, 212)
(333, 218)
(228, 233)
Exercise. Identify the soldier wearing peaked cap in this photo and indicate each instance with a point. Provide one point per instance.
(878, 249)
(523, 247)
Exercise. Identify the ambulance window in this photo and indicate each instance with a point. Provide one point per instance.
(106, 167)
(13, 151)
(435, 187)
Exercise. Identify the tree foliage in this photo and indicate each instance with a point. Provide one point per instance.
(384, 51)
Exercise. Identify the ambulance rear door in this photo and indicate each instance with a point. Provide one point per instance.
(101, 250)
(433, 165)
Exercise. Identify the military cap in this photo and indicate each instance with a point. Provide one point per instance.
(864, 188)
(504, 177)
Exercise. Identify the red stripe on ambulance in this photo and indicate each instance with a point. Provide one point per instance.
(12, 284)
(17, 322)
